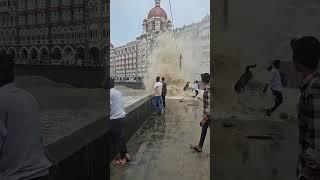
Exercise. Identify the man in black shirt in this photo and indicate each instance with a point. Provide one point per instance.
(244, 79)
(164, 92)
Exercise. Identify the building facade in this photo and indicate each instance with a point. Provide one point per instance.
(68, 32)
(199, 33)
(130, 61)
(204, 36)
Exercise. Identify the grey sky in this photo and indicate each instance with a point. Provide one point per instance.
(127, 16)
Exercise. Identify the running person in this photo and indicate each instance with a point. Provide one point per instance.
(244, 79)
(196, 88)
(275, 86)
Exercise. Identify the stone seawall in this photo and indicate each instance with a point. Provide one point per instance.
(133, 85)
(86, 153)
(78, 76)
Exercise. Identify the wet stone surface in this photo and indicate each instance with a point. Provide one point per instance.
(161, 150)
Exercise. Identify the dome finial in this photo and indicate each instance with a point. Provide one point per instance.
(157, 2)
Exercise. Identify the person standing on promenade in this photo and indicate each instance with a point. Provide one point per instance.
(157, 96)
(117, 118)
(21, 151)
(205, 122)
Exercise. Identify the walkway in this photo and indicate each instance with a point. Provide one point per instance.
(161, 150)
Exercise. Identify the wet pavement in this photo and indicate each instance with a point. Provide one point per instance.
(160, 148)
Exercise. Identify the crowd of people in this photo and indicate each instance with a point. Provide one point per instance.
(117, 113)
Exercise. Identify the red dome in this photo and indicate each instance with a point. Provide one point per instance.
(157, 12)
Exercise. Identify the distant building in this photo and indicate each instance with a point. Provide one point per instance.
(130, 61)
(69, 32)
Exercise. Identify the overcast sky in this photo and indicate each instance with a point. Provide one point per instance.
(127, 16)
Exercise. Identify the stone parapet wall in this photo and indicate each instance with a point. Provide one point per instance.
(86, 153)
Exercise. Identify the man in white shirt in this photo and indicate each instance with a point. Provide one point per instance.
(275, 86)
(117, 117)
(157, 96)
(21, 152)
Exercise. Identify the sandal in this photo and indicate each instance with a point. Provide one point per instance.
(195, 147)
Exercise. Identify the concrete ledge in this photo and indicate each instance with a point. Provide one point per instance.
(86, 153)
(78, 76)
(137, 113)
(82, 155)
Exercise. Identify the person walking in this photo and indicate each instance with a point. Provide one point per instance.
(306, 56)
(196, 88)
(275, 86)
(157, 96)
(164, 92)
(117, 118)
(205, 122)
(21, 151)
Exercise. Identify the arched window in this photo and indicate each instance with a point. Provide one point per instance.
(56, 54)
(34, 54)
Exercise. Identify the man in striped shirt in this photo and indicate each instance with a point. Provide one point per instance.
(204, 123)
(306, 56)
